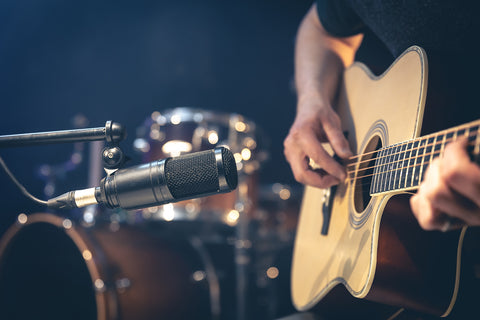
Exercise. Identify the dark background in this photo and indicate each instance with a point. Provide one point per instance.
(61, 61)
(121, 60)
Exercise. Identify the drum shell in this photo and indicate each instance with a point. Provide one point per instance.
(51, 268)
(194, 127)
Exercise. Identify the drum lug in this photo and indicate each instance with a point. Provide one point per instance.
(99, 285)
(123, 284)
(199, 275)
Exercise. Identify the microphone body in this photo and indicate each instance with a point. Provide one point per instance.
(159, 182)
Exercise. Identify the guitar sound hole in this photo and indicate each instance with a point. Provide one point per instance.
(364, 174)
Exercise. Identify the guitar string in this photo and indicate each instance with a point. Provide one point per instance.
(397, 165)
(396, 182)
(401, 152)
(425, 162)
(430, 155)
(404, 156)
(412, 149)
(444, 132)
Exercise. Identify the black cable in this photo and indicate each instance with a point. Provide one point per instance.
(19, 185)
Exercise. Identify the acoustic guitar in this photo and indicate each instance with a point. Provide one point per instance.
(345, 235)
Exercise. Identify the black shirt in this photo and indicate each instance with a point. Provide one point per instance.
(447, 30)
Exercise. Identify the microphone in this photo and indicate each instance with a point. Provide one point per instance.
(159, 182)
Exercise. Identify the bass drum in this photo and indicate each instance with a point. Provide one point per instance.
(51, 268)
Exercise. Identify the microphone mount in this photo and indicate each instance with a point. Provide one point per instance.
(113, 133)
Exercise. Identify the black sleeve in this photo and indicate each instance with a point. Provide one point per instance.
(338, 18)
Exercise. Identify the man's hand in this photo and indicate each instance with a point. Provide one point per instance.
(449, 196)
(314, 124)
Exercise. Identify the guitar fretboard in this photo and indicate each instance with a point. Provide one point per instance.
(403, 165)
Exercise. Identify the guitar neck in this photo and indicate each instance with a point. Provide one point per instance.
(402, 166)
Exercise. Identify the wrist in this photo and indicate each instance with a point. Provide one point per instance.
(311, 98)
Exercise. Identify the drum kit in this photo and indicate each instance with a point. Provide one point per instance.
(219, 257)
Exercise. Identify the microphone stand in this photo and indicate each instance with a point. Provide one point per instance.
(112, 133)
(112, 156)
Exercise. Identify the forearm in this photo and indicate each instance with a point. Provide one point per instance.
(319, 62)
(320, 59)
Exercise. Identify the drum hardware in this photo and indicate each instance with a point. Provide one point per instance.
(242, 247)
(110, 284)
(184, 130)
(100, 241)
(122, 284)
(115, 287)
(113, 133)
(138, 272)
(112, 156)
(99, 285)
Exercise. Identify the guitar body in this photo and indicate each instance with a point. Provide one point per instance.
(373, 245)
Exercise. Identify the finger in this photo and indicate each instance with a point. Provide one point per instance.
(319, 180)
(426, 215)
(316, 152)
(302, 172)
(423, 203)
(460, 173)
(429, 217)
(454, 205)
(336, 137)
(437, 199)
(305, 175)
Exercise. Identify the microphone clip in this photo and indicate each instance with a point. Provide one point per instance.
(113, 158)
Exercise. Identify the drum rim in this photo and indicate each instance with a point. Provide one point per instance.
(104, 296)
(187, 114)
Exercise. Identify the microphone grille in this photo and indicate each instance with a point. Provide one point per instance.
(195, 174)
(230, 167)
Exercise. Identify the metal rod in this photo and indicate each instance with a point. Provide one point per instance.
(112, 132)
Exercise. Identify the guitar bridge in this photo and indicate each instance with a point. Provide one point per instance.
(328, 196)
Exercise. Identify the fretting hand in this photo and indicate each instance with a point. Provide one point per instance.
(449, 196)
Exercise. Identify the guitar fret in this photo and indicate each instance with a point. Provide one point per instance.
(385, 170)
(390, 169)
(448, 137)
(442, 144)
(394, 168)
(374, 186)
(427, 157)
(472, 137)
(455, 135)
(381, 169)
(412, 162)
(439, 144)
(406, 165)
(476, 150)
(378, 165)
(382, 161)
(418, 163)
(401, 165)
